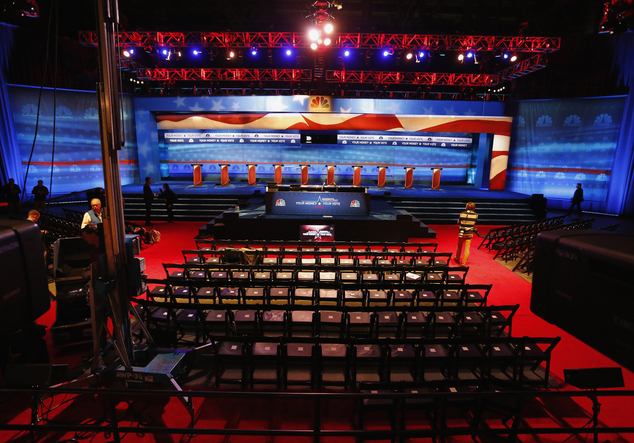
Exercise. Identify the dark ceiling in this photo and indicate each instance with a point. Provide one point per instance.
(581, 67)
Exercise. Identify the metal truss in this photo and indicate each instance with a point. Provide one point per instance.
(413, 78)
(349, 40)
(525, 67)
(223, 74)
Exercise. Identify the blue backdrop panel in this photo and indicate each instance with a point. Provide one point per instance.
(77, 160)
(558, 143)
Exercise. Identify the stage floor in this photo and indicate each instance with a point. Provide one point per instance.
(418, 191)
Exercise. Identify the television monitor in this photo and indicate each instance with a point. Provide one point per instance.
(313, 233)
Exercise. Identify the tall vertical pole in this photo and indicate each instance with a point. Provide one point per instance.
(111, 144)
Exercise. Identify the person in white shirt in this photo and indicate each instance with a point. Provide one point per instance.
(94, 215)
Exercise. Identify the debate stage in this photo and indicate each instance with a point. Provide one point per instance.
(395, 213)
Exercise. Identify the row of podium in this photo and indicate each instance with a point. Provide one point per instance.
(330, 175)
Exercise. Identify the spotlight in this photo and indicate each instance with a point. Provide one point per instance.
(313, 34)
(288, 52)
(327, 41)
(470, 54)
(196, 52)
(346, 53)
(388, 52)
(409, 56)
(127, 53)
(421, 54)
(230, 54)
(313, 46)
(254, 51)
(328, 28)
(506, 56)
(460, 57)
(514, 58)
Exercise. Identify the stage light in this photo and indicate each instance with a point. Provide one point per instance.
(254, 51)
(165, 52)
(327, 41)
(328, 28)
(506, 56)
(196, 52)
(470, 54)
(230, 54)
(313, 34)
(313, 46)
(461, 57)
(127, 53)
(514, 58)
(421, 54)
(388, 52)
(409, 56)
(346, 53)
(288, 52)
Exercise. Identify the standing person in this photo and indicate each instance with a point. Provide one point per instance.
(148, 197)
(39, 196)
(94, 215)
(12, 192)
(576, 200)
(467, 221)
(170, 199)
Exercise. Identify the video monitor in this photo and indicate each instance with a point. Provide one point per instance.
(311, 233)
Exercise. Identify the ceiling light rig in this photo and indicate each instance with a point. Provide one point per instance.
(322, 16)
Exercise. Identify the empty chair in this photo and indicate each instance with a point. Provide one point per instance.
(327, 297)
(435, 362)
(230, 363)
(301, 323)
(273, 323)
(206, 295)
(401, 297)
(255, 295)
(367, 363)
(402, 363)
(298, 364)
(387, 324)
(353, 298)
(414, 325)
(229, 295)
(359, 324)
(443, 324)
(378, 298)
(426, 298)
(217, 323)
(331, 324)
(279, 296)
(304, 296)
(246, 322)
(333, 365)
(266, 364)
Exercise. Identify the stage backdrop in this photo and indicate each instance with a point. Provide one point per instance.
(559, 143)
(77, 162)
(162, 121)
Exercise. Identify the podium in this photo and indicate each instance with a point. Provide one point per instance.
(330, 175)
(435, 178)
(356, 175)
(278, 174)
(251, 170)
(409, 177)
(381, 181)
(304, 169)
(224, 175)
(198, 174)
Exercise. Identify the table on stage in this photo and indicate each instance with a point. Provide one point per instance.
(317, 200)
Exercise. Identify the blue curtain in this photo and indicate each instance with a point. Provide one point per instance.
(621, 195)
(10, 159)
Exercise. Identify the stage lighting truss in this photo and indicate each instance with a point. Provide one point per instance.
(424, 45)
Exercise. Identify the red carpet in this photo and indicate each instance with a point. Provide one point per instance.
(508, 288)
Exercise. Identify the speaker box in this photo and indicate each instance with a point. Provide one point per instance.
(594, 378)
(582, 282)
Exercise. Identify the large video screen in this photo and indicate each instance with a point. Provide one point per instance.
(179, 149)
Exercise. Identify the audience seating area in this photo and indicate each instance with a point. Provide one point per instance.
(337, 315)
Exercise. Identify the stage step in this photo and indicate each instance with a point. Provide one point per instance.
(490, 212)
(188, 207)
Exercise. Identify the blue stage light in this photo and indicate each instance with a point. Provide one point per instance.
(288, 52)
(254, 51)
(346, 53)
(470, 54)
(196, 52)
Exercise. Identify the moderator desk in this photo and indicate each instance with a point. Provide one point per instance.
(317, 200)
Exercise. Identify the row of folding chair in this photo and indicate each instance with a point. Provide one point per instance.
(323, 258)
(404, 294)
(242, 274)
(504, 233)
(317, 363)
(286, 245)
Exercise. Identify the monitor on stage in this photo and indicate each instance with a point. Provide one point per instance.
(317, 233)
